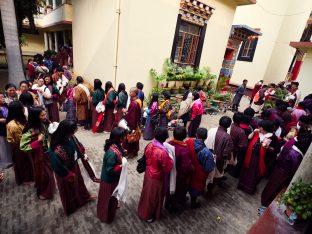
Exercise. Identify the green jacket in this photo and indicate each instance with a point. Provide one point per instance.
(29, 136)
(111, 98)
(98, 96)
(109, 162)
(60, 166)
(122, 100)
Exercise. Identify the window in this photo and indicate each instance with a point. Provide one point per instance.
(247, 50)
(188, 43)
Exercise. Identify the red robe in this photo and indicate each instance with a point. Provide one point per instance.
(199, 176)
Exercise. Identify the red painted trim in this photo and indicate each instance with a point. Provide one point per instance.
(300, 44)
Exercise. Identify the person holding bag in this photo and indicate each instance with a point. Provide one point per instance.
(133, 117)
(113, 162)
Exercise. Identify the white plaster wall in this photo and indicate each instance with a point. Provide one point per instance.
(273, 53)
(217, 34)
(146, 35)
(93, 28)
(305, 76)
(147, 29)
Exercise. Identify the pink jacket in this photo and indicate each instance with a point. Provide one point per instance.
(197, 108)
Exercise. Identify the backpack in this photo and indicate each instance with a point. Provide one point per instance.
(207, 162)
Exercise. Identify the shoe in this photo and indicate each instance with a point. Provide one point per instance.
(150, 220)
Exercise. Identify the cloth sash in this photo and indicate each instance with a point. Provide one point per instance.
(173, 173)
(262, 154)
(210, 141)
(85, 89)
(121, 190)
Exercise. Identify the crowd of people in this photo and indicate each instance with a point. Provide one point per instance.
(42, 148)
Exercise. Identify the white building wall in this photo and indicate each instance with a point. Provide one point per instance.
(305, 76)
(217, 34)
(273, 53)
(147, 29)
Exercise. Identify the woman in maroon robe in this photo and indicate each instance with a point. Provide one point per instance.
(112, 162)
(133, 118)
(262, 149)
(23, 163)
(158, 163)
(184, 169)
(109, 102)
(64, 155)
(35, 141)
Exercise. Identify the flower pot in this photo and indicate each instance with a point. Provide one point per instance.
(171, 84)
(163, 83)
(194, 83)
(206, 82)
(179, 83)
(288, 211)
(200, 83)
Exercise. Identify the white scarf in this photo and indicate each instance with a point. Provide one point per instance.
(210, 141)
(173, 173)
(278, 132)
(121, 190)
(265, 136)
(298, 150)
(85, 89)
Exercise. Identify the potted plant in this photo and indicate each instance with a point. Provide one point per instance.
(298, 200)
(159, 78)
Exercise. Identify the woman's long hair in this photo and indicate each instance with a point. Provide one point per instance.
(97, 84)
(153, 99)
(108, 85)
(65, 129)
(16, 112)
(34, 119)
(121, 87)
(116, 136)
(26, 99)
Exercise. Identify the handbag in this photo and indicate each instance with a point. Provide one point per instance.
(155, 120)
(47, 101)
(141, 167)
(134, 136)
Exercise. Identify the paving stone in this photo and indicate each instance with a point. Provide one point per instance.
(22, 212)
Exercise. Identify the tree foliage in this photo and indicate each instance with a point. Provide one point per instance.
(25, 9)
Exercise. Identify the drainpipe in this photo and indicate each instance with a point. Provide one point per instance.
(118, 12)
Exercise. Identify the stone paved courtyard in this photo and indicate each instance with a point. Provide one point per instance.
(22, 212)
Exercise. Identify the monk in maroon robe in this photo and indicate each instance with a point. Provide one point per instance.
(184, 167)
(240, 143)
(133, 117)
